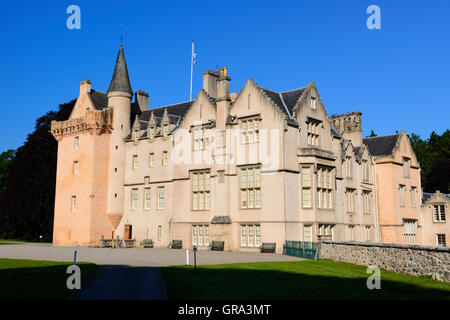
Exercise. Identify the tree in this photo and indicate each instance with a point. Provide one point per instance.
(27, 200)
(5, 161)
(434, 158)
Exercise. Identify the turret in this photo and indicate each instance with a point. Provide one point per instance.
(119, 99)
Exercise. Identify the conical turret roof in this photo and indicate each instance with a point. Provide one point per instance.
(120, 79)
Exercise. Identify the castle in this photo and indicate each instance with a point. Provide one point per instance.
(246, 168)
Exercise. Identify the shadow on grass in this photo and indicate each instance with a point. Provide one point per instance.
(220, 282)
(40, 282)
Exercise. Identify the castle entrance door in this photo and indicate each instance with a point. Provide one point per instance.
(128, 232)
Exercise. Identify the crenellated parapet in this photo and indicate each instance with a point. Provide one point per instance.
(95, 121)
(347, 122)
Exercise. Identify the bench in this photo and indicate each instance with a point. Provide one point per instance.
(268, 247)
(217, 245)
(106, 243)
(177, 244)
(147, 243)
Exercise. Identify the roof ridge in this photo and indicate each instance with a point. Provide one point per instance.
(293, 90)
(387, 135)
(171, 105)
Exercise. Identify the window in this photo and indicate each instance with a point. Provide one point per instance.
(151, 160)
(348, 167)
(368, 232)
(135, 162)
(134, 199)
(326, 231)
(151, 133)
(159, 232)
(201, 190)
(439, 213)
(325, 185)
(313, 103)
(164, 158)
(77, 143)
(201, 138)
(410, 230)
(250, 131)
(74, 203)
(440, 240)
(366, 170)
(75, 167)
(250, 187)
(402, 191)
(165, 130)
(200, 235)
(406, 167)
(147, 198)
(313, 129)
(306, 187)
(250, 235)
(160, 197)
(351, 233)
(366, 201)
(307, 233)
(350, 195)
(413, 197)
(135, 135)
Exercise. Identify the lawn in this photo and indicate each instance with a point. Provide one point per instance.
(319, 279)
(38, 280)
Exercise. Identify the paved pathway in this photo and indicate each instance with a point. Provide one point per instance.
(154, 257)
(129, 273)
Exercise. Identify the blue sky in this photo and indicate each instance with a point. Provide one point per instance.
(398, 77)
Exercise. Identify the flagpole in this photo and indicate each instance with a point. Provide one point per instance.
(192, 69)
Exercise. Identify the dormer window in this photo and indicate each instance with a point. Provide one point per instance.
(250, 131)
(313, 103)
(201, 138)
(151, 133)
(165, 130)
(406, 167)
(135, 135)
(313, 131)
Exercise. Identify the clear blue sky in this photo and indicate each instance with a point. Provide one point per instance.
(398, 77)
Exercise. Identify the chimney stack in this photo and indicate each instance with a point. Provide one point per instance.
(209, 82)
(141, 98)
(85, 86)
(223, 99)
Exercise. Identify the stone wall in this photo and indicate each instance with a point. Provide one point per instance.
(432, 262)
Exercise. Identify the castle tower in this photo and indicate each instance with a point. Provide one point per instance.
(119, 99)
(349, 124)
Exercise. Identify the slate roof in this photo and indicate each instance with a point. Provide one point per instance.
(120, 80)
(381, 145)
(285, 100)
(358, 152)
(426, 196)
(100, 99)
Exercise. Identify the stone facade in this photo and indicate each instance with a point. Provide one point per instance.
(432, 262)
(245, 168)
(436, 228)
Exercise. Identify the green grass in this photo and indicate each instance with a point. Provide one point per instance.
(38, 280)
(320, 279)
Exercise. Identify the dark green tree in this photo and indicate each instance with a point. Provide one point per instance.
(5, 161)
(433, 155)
(27, 201)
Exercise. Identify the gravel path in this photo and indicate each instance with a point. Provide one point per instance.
(156, 257)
